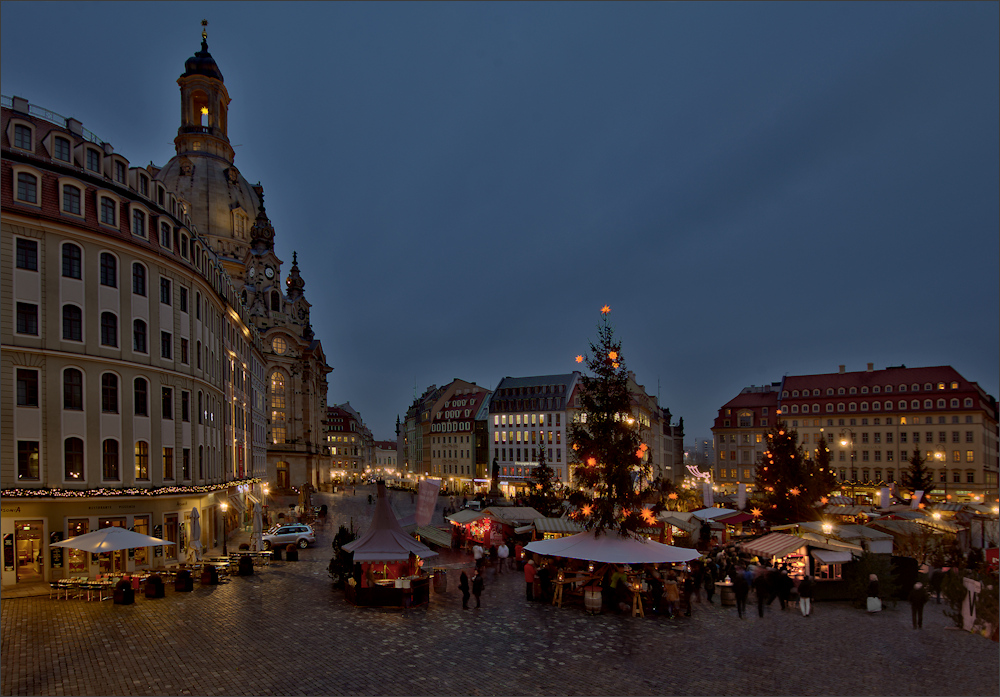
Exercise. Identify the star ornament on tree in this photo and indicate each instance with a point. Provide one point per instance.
(586, 509)
(647, 515)
(538, 486)
(794, 492)
(613, 355)
(672, 496)
(755, 512)
(579, 359)
(591, 461)
(605, 310)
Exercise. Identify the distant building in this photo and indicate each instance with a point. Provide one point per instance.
(872, 420)
(385, 458)
(349, 443)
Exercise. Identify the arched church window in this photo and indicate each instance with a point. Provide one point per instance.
(275, 301)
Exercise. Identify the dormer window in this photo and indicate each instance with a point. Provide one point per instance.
(23, 137)
(121, 173)
(143, 185)
(138, 223)
(61, 149)
(864, 390)
(165, 234)
(93, 161)
(854, 390)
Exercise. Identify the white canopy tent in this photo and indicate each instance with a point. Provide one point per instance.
(111, 540)
(610, 548)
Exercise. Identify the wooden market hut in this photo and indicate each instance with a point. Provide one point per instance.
(387, 570)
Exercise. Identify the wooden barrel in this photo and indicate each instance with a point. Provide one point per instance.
(592, 600)
(726, 592)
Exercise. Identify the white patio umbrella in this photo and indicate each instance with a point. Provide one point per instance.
(111, 540)
(194, 547)
(256, 539)
(610, 548)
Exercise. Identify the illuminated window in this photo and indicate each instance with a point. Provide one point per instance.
(142, 460)
(73, 459)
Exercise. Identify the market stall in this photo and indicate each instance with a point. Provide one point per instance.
(553, 528)
(387, 563)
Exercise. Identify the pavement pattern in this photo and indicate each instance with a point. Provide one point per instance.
(286, 631)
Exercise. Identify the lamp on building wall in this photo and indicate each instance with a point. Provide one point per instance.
(843, 444)
(225, 528)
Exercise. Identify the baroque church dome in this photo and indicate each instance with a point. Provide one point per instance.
(221, 202)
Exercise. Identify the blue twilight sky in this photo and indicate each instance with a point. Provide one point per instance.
(754, 189)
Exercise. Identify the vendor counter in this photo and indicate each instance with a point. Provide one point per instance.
(400, 592)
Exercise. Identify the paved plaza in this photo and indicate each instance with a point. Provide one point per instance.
(284, 630)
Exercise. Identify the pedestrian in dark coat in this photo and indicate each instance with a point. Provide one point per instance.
(477, 586)
(762, 589)
(463, 585)
(709, 582)
(937, 579)
(918, 598)
(784, 589)
(689, 586)
(806, 595)
(741, 589)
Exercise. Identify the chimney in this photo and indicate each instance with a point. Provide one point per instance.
(842, 369)
(870, 366)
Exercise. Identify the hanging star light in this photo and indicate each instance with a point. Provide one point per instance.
(586, 509)
(538, 486)
(613, 355)
(579, 359)
(755, 512)
(591, 461)
(648, 516)
(672, 496)
(824, 500)
(794, 491)
(605, 310)
(614, 365)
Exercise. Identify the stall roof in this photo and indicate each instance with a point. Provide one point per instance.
(466, 515)
(710, 513)
(735, 518)
(433, 535)
(684, 524)
(557, 525)
(829, 557)
(848, 510)
(775, 544)
(384, 540)
(825, 542)
(514, 514)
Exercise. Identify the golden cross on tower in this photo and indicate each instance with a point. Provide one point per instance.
(204, 30)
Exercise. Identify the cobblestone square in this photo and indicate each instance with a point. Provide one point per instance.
(284, 630)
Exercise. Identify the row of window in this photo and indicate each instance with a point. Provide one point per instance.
(536, 437)
(915, 387)
(29, 466)
(73, 390)
(942, 437)
(514, 454)
(93, 159)
(956, 475)
(535, 419)
(902, 404)
(956, 455)
(72, 267)
(442, 453)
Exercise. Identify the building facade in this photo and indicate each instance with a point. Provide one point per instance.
(453, 437)
(350, 444)
(131, 372)
(872, 420)
(230, 214)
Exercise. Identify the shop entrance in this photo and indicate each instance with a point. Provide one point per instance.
(113, 562)
(28, 550)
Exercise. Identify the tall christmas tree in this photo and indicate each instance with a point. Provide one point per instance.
(918, 477)
(605, 444)
(788, 484)
(542, 495)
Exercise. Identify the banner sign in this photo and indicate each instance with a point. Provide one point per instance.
(427, 494)
(8, 552)
(741, 496)
(884, 497)
(158, 532)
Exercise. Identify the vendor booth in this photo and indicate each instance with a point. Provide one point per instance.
(470, 527)
(387, 563)
(553, 528)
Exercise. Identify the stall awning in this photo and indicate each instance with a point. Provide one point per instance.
(431, 534)
(827, 556)
(776, 544)
(524, 529)
(735, 518)
(563, 526)
(466, 515)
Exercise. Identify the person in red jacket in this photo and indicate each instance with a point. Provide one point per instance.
(529, 578)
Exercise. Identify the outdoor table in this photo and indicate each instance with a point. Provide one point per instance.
(727, 596)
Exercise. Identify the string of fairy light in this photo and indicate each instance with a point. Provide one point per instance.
(131, 491)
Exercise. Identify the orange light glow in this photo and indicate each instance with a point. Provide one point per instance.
(538, 486)
(647, 515)
(579, 359)
(755, 512)
(586, 509)
(614, 365)
(613, 355)
(824, 500)
(672, 496)
(794, 492)
(605, 310)
(591, 461)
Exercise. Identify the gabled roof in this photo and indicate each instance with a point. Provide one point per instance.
(514, 514)
(384, 540)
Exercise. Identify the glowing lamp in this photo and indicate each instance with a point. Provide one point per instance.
(204, 110)
(936, 515)
(605, 310)
(591, 461)
(579, 359)
(827, 528)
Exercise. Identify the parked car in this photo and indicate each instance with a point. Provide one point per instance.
(290, 533)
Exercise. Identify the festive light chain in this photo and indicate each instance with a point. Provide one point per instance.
(162, 491)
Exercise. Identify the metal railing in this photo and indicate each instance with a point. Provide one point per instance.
(51, 117)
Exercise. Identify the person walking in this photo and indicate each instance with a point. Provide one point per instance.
(762, 589)
(874, 601)
(937, 579)
(784, 589)
(478, 555)
(741, 589)
(689, 586)
(494, 558)
(806, 595)
(671, 594)
(918, 598)
(529, 579)
(463, 585)
(709, 582)
(502, 554)
(477, 586)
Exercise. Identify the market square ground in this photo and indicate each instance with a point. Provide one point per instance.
(284, 630)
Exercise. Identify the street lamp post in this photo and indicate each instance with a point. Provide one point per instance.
(225, 529)
(843, 443)
(942, 457)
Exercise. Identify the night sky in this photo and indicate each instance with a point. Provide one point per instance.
(754, 189)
